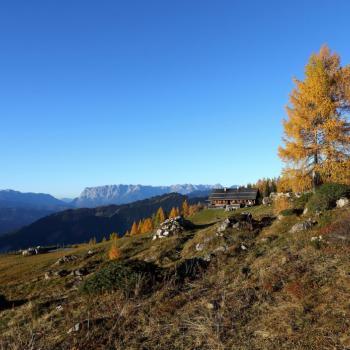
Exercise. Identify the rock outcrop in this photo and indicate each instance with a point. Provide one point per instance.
(172, 227)
(302, 226)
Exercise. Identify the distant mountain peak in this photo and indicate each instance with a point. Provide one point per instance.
(127, 193)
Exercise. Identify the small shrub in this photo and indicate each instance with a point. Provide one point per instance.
(190, 269)
(300, 203)
(289, 212)
(326, 196)
(133, 277)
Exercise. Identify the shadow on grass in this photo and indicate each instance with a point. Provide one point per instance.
(10, 304)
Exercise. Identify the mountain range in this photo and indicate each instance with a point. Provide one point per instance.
(18, 209)
(79, 225)
(121, 194)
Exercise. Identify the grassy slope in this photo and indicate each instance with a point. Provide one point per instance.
(283, 292)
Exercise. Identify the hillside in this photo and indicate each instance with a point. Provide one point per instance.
(18, 209)
(79, 225)
(253, 283)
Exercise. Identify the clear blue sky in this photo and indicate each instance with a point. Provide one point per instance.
(151, 92)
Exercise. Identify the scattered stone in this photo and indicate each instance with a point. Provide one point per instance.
(75, 328)
(243, 247)
(48, 275)
(342, 202)
(65, 259)
(316, 238)
(220, 249)
(266, 201)
(306, 210)
(171, 227)
(199, 247)
(302, 226)
(61, 273)
(59, 308)
(80, 272)
(209, 306)
(207, 257)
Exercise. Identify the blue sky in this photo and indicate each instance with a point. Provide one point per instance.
(151, 92)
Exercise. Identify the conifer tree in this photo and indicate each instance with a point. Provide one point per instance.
(113, 236)
(134, 229)
(147, 225)
(173, 213)
(139, 226)
(160, 216)
(317, 140)
(185, 208)
(114, 252)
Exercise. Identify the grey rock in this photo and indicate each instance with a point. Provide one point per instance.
(342, 202)
(199, 247)
(266, 201)
(302, 226)
(75, 328)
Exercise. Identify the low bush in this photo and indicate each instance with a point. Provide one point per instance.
(326, 196)
(133, 277)
(190, 269)
(289, 212)
(300, 203)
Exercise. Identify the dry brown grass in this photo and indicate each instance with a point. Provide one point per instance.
(282, 293)
(281, 203)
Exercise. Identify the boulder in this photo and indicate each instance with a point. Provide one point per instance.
(342, 202)
(302, 226)
(266, 201)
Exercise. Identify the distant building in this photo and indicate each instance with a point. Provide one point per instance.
(235, 197)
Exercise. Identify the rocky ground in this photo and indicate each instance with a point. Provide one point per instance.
(218, 280)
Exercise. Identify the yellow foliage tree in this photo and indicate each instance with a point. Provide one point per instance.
(139, 226)
(114, 252)
(147, 225)
(316, 132)
(174, 213)
(185, 208)
(134, 229)
(113, 236)
(160, 216)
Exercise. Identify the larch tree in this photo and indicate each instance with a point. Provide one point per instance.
(160, 216)
(316, 134)
(185, 208)
(134, 229)
(173, 213)
(147, 225)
